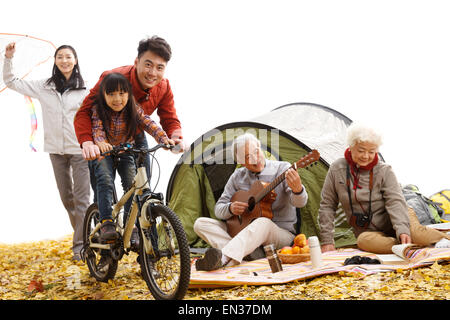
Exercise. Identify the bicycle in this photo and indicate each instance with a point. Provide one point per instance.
(164, 254)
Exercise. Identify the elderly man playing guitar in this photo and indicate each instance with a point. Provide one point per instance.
(247, 193)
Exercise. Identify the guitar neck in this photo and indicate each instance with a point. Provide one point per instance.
(307, 160)
(264, 192)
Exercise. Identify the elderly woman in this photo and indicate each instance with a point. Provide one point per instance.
(371, 198)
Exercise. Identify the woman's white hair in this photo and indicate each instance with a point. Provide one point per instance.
(358, 132)
(238, 146)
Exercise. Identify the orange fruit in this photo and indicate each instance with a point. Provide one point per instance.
(286, 250)
(300, 240)
(304, 249)
(296, 249)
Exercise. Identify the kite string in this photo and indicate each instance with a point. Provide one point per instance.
(28, 100)
(33, 119)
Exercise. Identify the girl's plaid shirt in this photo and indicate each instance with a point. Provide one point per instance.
(118, 129)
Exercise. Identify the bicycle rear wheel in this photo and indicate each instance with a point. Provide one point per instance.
(100, 264)
(167, 273)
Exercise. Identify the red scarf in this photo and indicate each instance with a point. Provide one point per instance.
(354, 168)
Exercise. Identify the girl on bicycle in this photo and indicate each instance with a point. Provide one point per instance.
(60, 97)
(116, 119)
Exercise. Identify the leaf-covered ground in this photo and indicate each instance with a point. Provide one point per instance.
(44, 270)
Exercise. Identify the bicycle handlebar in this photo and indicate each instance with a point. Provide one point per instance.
(127, 147)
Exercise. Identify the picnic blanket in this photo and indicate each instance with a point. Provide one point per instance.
(258, 272)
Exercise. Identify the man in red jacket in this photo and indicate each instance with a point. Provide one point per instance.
(150, 89)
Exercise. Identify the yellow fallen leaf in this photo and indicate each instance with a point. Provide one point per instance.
(51, 260)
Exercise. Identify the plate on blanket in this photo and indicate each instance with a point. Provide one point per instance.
(440, 226)
(293, 258)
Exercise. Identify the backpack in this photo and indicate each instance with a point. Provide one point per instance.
(442, 199)
(427, 211)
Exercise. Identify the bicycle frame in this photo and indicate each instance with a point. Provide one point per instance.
(163, 248)
(138, 188)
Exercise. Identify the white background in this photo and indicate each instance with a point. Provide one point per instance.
(382, 62)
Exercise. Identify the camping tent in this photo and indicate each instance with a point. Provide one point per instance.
(286, 133)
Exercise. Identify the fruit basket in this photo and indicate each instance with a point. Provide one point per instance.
(293, 258)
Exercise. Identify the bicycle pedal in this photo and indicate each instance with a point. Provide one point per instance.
(83, 255)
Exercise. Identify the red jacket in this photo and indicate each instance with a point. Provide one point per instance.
(159, 97)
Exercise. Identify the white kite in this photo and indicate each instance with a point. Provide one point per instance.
(31, 53)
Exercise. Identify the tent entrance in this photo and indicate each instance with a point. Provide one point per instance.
(286, 134)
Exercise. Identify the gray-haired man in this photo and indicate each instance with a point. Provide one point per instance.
(280, 231)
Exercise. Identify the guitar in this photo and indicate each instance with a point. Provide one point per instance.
(261, 196)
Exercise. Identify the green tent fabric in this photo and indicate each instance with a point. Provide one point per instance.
(200, 175)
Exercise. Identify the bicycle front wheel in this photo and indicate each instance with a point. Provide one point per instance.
(101, 266)
(167, 271)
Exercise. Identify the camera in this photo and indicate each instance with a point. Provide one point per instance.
(360, 220)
